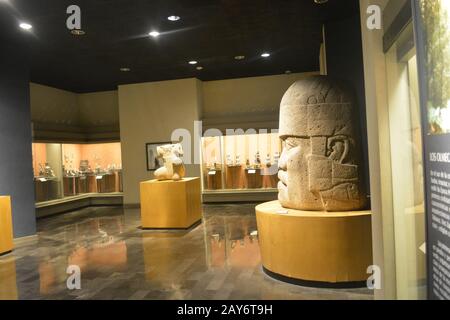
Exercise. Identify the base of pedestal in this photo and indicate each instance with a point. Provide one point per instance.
(193, 226)
(318, 249)
(170, 204)
(5, 253)
(316, 284)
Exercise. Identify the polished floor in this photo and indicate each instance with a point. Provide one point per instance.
(218, 259)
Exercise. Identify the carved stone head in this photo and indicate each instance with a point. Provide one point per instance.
(319, 168)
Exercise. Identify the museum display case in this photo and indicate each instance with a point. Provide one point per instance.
(47, 171)
(237, 163)
(67, 170)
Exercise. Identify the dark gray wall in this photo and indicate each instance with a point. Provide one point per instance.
(16, 173)
(345, 61)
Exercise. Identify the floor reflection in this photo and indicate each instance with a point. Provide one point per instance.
(232, 241)
(218, 259)
(8, 286)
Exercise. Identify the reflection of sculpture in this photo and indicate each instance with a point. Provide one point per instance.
(173, 165)
(319, 165)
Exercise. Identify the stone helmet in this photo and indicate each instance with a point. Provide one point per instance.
(320, 167)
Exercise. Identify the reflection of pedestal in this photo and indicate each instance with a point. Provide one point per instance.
(253, 178)
(214, 179)
(8, 284)
(170, 204)
(234, 177)
(6, 231)
(332, 249)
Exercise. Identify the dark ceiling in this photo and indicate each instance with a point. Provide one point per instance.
(212, 32)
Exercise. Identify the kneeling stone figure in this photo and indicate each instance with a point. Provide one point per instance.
(173, 168)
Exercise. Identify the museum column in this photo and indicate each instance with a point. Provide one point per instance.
(16, 174)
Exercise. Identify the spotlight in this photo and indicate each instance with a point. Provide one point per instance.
(78, 32)
(25, 26)
(154, 34)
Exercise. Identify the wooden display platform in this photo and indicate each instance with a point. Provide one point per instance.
(170, 204)
(323, 249)
(6, 230)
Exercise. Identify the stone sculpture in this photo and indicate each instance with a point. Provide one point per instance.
(320, 166)
(173, 168)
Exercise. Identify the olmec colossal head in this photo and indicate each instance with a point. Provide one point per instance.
(319, 168)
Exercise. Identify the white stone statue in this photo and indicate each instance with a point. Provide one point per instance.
(173, 165)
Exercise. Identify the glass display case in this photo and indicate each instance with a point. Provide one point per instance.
(47, 171)
(67, 170)
(240, 162)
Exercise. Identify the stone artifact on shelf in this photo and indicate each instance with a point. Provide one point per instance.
(257, 164)
(320, 166)
(173, 164)
(238, 160)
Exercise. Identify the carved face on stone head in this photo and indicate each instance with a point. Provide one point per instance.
(319, 168)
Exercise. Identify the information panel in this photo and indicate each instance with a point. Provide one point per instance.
(432, 24)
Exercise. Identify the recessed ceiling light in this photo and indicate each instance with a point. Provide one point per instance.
(78, 32)
(239, 57)
(125, 69)
(199, 68)
(265, 55)
(25, 26)
(193, 62)
(173, 18)
(320, 1)
(154, 34)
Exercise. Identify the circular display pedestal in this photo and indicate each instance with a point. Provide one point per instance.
(319, 249)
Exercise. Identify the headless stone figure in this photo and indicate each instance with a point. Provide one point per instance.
(173, 164)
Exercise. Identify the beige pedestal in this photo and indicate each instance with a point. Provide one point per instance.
(6, 231)
(170, 204)
(331, 249)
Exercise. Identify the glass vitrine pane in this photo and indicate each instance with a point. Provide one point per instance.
(407, 168)
(47, 171)
(67, 170)
(241, 162)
